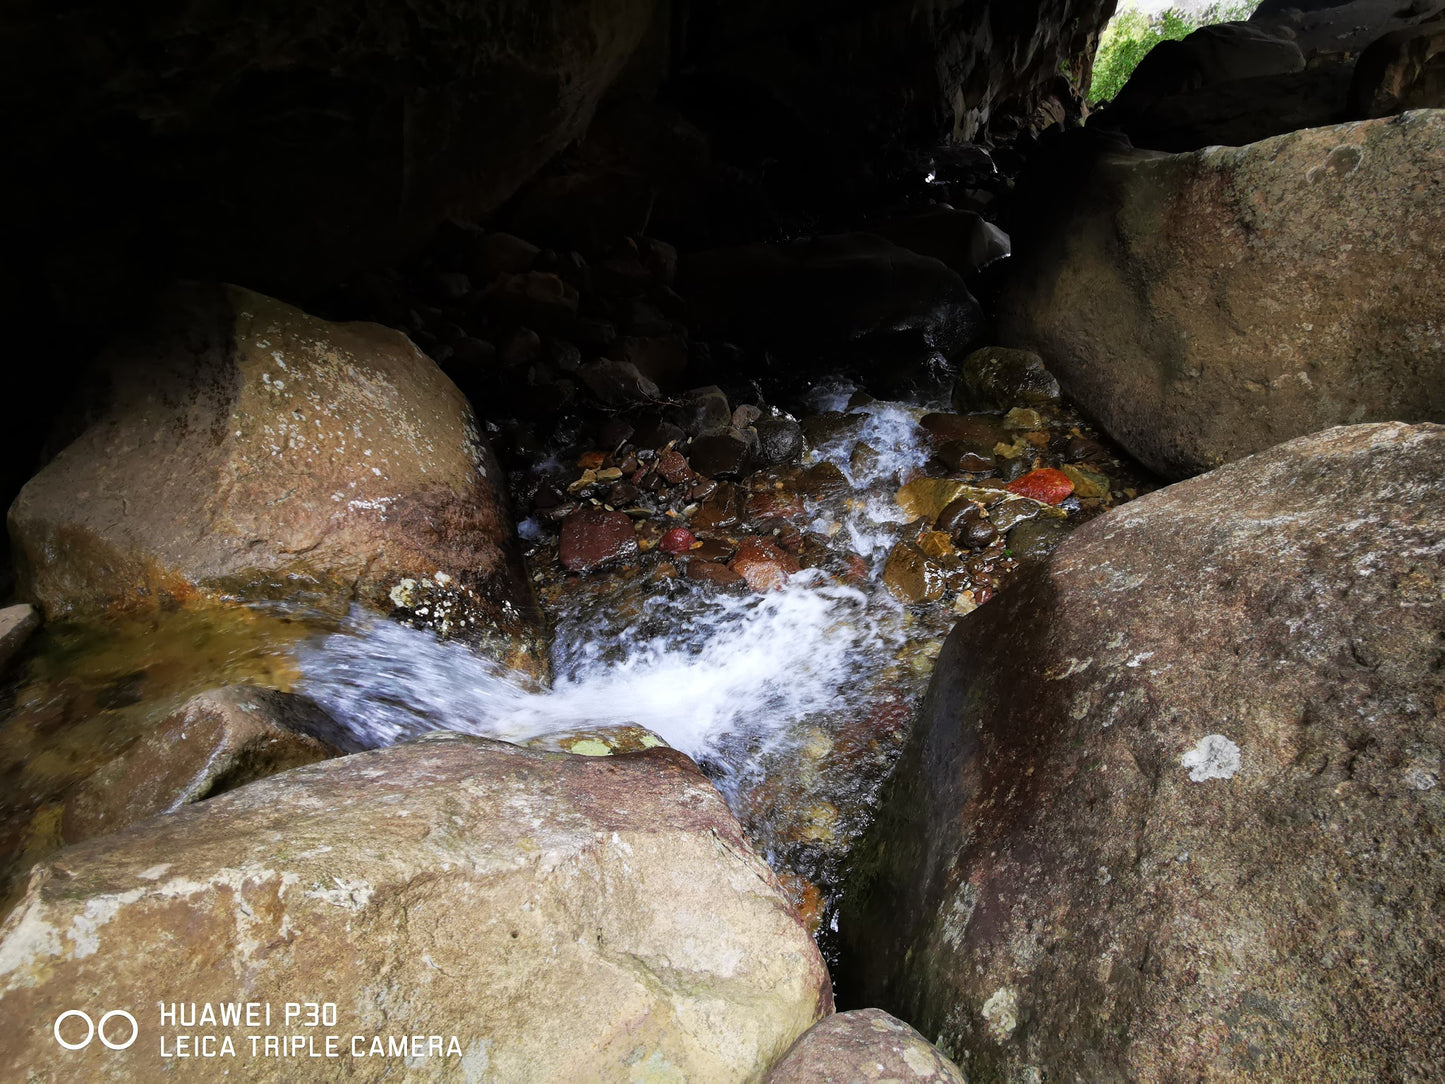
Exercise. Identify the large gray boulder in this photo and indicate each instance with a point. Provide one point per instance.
(1208, 305)
(1173, 807)
(246, 450)
(545, 916)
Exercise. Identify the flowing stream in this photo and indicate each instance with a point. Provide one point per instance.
(725, 678)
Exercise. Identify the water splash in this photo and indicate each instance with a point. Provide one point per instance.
(717, 677)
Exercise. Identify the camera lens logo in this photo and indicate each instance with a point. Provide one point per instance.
(92, 1029)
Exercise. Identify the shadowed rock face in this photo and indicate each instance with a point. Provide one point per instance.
(1205, 306)
(565, 917)
(247, 450)
(286, 148)
(282, 146)
(1173, 809)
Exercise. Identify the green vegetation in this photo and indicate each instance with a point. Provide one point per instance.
(1131, 34)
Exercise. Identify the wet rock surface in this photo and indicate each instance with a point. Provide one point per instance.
(1175, 793)
(868, 523)
(218, 741)
(1328, 313)
(16, 624)
(862, 1045)
(248, 451)
(407, 869)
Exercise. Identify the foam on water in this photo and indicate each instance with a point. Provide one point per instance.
(710, 674)
(720, 677)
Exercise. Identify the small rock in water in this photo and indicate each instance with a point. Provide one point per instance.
(719, 455)
(911, 576)
(967, 524)
(763, 564)
(677, 540)
(1045, 485)
(926, 498)
(995, 378)
(594, 537)
(1087, 483)
(672, 465)
(958, 455)
(713, 573)
(1034, 539)
(780, 438)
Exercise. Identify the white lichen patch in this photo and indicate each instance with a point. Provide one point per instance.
(352, 895)
(1215, 757)
(1001, 1013)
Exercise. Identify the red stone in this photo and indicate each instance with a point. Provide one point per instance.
(672, 465)
(677, 540)
(594, 537)
(711, 572)
(1045, 485)
(763, 564)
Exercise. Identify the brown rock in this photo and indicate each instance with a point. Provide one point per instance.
(713, 573)
(775, 504)
(996, 378)
(672, 465)
(452, 886)
(218, 741)
(16, 624)
(249, 450)
(618, 383)
(726, 454)
(862, 1046)
(925, 498)
(1404, 69)
(1328, 311)
(764, 564)
(595, 537)
(980, 432)
(723, 508)
(912, 576)
(1164, 786)
(714, 549)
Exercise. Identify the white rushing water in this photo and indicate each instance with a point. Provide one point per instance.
(706, 672)
(718, 676)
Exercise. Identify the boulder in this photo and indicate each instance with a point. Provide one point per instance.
(1205, 306)
(594, 537)
(246, 450)
(545, 916)
(1214, 54)
(964, 240)
(16, 624)
(1236, 112)
(826, 291)
(1172, 807)
(217, 741)
(1404, 69)
(862, 1046)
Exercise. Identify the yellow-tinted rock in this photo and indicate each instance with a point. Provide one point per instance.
(911, 575)
(924, 498)
(451, 886)
(1087, 483)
